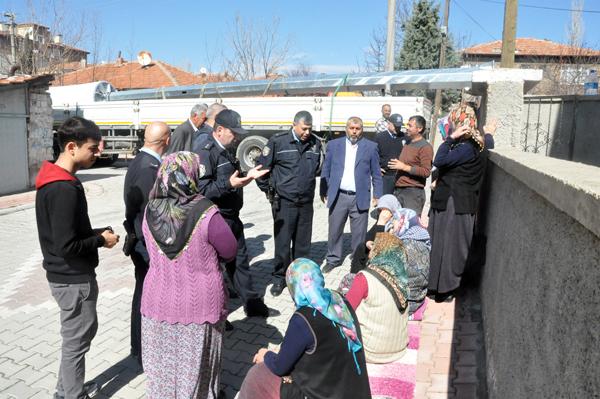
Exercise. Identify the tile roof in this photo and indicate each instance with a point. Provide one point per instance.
(532, 47)
(20, 79)
(131, 75)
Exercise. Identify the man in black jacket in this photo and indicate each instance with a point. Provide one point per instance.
(184, 134)
(222, 182)
(70, 248)
(139, 180)
(294, 158)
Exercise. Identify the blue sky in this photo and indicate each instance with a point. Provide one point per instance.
(330, 36)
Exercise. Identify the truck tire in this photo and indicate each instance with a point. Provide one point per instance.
(249, 150)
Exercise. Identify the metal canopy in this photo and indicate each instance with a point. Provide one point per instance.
(449, 78)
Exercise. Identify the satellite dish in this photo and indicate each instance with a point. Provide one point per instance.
(203, 71)
(144, 58)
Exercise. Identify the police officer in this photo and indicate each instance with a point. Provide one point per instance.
(221, 181)
(294, 160)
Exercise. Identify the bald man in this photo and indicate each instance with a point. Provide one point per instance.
(139, 180)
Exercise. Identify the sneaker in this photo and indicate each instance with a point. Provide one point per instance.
(256, 307)
(329, 267)
(277, 288)
(90, 388)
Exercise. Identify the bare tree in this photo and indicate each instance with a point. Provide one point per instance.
(374, 54)
(257, 50)
(300, 69)
(566, 73)
(575, 28)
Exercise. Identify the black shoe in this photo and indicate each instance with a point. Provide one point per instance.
(447, 297)
(277, 287)
(255, 307)
(329, 267)
(228, 326)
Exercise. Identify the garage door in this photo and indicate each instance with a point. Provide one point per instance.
(14, 170)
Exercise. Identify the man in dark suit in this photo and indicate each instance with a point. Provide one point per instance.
(184, 134)
(351, 166)
(139, 180)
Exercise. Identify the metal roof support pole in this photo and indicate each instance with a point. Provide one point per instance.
(437, 102)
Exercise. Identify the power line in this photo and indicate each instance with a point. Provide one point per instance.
(545, 7)
(474, 20)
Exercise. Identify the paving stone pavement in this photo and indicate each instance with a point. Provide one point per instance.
(29, 319)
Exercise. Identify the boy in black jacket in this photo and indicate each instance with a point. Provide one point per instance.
(70, 248)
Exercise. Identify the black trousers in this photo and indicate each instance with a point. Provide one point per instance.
(238, 269)
(292, 225)
(141, 261)
(389, 182)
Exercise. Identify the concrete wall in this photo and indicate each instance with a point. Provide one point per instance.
(540, 285)
(39, 137)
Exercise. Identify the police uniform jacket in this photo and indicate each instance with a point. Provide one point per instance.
(216, 167)
(294, 166)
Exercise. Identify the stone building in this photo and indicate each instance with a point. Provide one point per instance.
(565, 67)
(25, 130)
(37, 50)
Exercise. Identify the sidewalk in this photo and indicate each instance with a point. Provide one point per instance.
(29, 328)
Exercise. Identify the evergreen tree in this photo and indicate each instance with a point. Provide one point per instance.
(421, 45)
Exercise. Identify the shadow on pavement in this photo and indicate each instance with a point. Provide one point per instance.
(240, 346)
(118, 375)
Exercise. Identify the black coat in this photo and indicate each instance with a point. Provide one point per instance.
(139, 180)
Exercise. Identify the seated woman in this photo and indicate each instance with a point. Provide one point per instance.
(321, 355)
(379, 294)
(406, 225)
(184, 301)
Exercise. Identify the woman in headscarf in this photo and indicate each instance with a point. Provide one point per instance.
(460, 163)
(184, 299)
(321, 355)
(405, 224)
(379, 294)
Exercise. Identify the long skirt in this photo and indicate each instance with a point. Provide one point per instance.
(181, 361)
(451, 237)
(417, 269)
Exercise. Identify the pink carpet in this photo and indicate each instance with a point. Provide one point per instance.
(397, 380)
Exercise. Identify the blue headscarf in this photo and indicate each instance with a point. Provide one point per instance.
(307, 288)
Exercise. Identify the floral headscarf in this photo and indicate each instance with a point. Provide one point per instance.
(464, 115)
(388, 265)
(175, 204)
(404, 223)
(307, 288)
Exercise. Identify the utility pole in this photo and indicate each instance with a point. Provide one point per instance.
(509, 34)
(13, 44)
(389, 44)
(437, 102)
(391, 29)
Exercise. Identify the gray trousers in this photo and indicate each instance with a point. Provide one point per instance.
(78, 325)
(411, 198)
(344, 206)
